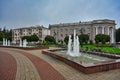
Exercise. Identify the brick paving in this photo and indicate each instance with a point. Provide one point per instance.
(25, 68)
(32, 65)
(46, 71)
(8, 66)
(72, 74)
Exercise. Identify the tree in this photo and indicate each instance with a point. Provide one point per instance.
(4, 30)
(34, 37)
(103, 41)
(84, 38)
(1, 36)
(8, 34)
(50, 39)
(5, 33)
(27, 38)
(66, 39)
(118, 35)
(31, 38)
(102, 38)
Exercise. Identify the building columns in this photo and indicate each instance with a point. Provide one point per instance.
(108, 31)
(96, 28)
(103, 31)
(112, 34)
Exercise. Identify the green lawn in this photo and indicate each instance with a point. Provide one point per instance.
(89, 46)
(104, 49)
(111, 50)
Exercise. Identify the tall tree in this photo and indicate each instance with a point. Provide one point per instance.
(102, 38)
(50, 39)
(34, 37)
(83, 38)
(118, 35)
(1, 36)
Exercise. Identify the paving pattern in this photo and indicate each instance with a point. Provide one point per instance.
(72, 74)
(16, 64)
(30, 67)
(8, 66)
(46, 71)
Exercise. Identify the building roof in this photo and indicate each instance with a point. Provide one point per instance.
(83, 23)
(31, 27)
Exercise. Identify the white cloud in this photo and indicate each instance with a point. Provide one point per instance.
(57, 11)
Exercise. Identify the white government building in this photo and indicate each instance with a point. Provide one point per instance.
(92, 28)
(40, 31)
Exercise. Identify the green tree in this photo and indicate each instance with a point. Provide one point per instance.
(101, 37)
(50, 39)
(5, 33)
(66, 39)
(8, 34)
(103, 41)
(84, 38)
(118, 35)
(31, 38)
(34, 37)
(81, 43)
(1, 36)
(96, 41)
(27, 38)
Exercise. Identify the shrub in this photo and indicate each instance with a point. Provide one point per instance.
(103, 41)
(50, 39)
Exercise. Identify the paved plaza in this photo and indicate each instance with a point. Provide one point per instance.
(16, 64)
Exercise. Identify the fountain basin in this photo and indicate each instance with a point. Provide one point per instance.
(111, 62)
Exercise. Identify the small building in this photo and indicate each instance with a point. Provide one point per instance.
(40, 31)
(92, 28)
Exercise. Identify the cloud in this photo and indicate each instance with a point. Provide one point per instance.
(20, 13)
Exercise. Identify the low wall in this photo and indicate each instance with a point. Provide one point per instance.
(87, 68)
(114, 56)
(27, 48)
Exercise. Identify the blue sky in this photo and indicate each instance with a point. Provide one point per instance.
(24, 13)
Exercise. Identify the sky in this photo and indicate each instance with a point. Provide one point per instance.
(25, 13)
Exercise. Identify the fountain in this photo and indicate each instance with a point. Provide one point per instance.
(73, 51)
(85, 61)
(20, 44)
(3, 41)
(24, 43)
(8, 43)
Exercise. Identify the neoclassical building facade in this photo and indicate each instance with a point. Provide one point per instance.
(92, 28)
(39, 30)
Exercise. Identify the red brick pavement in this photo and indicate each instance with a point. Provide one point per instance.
(8, 66)
(45, 70)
